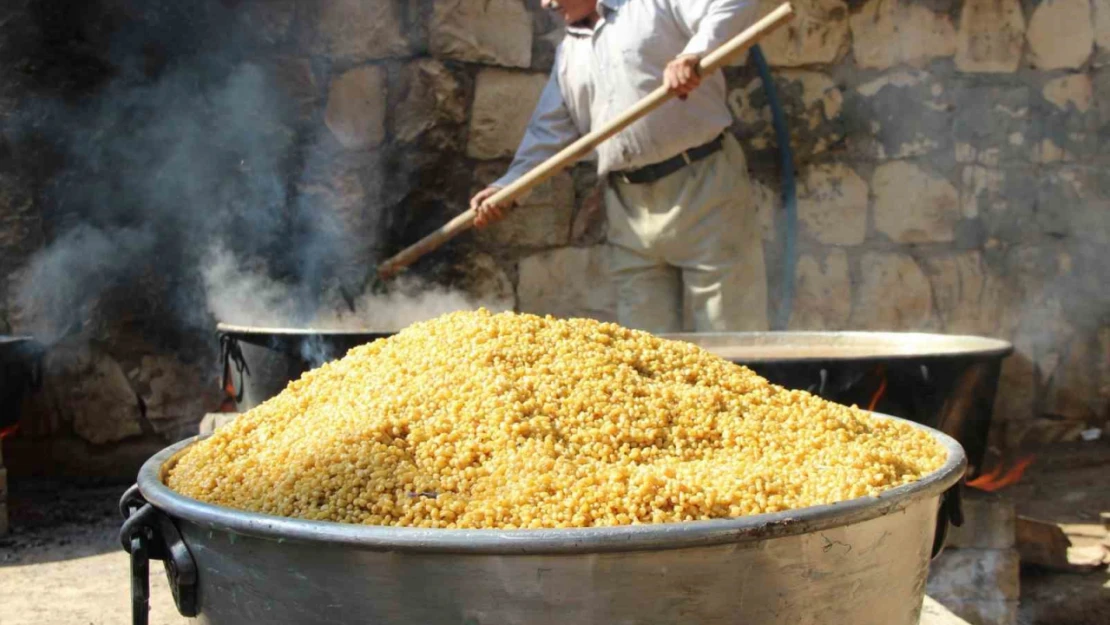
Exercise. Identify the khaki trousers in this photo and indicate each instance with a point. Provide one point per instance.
(686, 251)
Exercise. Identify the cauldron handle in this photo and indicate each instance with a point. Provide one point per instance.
(951, 512)
(146, 535)
(232, 354)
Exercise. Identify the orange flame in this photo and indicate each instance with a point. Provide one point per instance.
(998, 479)
(878, 395)
(228, 403)
(11, 430)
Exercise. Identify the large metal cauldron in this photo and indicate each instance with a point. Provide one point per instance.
(947, 382)
(862, 562)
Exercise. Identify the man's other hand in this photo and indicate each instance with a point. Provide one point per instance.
(681, 75)
(486, 213)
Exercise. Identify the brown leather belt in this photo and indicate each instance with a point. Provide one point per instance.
(655, 171)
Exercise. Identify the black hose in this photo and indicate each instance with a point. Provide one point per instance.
(789, 191)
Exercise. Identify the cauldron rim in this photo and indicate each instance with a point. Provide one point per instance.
(645, 537)
(884, 345)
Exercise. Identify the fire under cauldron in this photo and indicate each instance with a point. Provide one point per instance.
(947, 382)
(20, 372)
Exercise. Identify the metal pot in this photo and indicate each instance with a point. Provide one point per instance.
(268, 359)
(863, 561)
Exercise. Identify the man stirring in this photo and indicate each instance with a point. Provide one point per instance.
(683, 229)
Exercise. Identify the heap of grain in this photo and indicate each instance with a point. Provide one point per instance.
(480, 420)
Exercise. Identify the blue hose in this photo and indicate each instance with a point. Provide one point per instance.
(789, 191)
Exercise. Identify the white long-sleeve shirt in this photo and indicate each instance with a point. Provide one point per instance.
(602, 71)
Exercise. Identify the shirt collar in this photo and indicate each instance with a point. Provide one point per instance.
(604, 8)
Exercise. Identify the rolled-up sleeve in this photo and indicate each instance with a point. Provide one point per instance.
(550, 129)
(712, 22)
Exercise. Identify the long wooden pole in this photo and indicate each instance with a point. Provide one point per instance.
(586, 144)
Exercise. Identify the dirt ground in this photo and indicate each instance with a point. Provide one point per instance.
(1067, 484)
(62, 564)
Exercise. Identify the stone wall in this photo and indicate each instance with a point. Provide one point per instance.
(950, 178)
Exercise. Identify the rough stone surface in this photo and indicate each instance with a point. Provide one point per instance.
(92, 394)
(894, 294)
(1072, 388)
(913, 206)
(503, 104)
(822, 293)
(356, 107)
(817, 35)
(832, 205)
(493, 32)
(269, 20)
(933, 613)
(174, 395)
(1103, 369)
(1073, 90)
(991, 36)
(968, 296)
(993, 612)
(900, 114)
(487, 282)
(214, 421)
(1102, 23)
(989, 522)
(542, 219)
(888, 32)
(567, 282)
(431, 95)
(356, 30)
(974, 575)
(767, 203)
(1060, 34)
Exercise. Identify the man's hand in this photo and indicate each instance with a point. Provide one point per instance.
(486, 213)
(681, 74)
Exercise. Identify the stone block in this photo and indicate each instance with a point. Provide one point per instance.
(493, 32)
(567, 282)
(91, 393)
(1073, 90)
(933, 613)
(832, 204)
(430, 95)
(542, 219)
(214, 421)
(988, 523)
(975, 575)
(1060, 34)
(1102, 23)
(268, 20)
(901, 114)
(891, 32)
(991, 36)
(503, 104)
(818, 35)
(354, 31)
(174, 394)
(914, 206)
(994, 123)
(894, 294)
(1072, 389)
(356, 107)
(993, 612)
(822, 293)
(969, 297)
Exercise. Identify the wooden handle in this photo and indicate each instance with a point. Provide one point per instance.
(586, 144)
